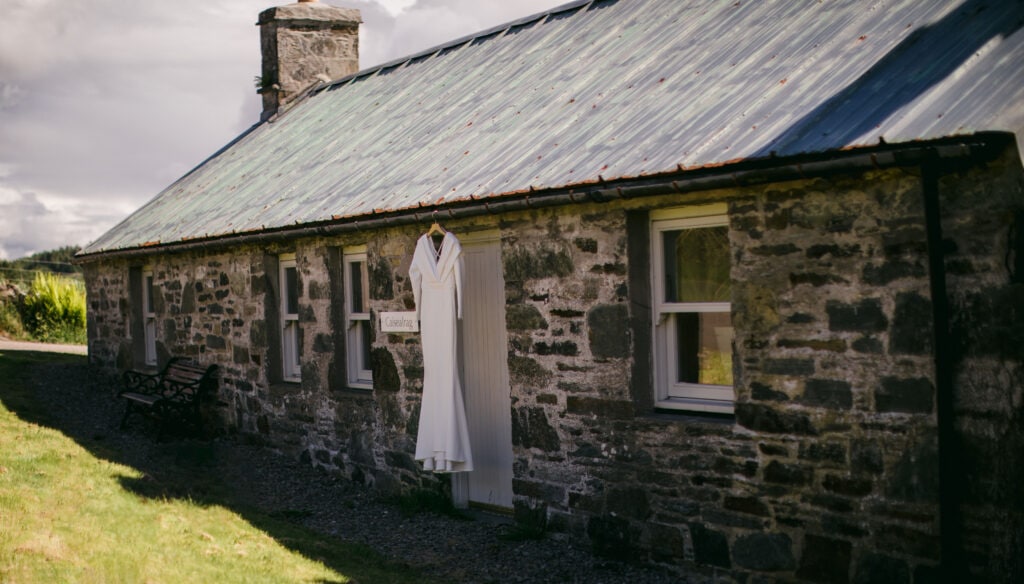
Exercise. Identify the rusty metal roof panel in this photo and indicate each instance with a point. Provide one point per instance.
(606, 89)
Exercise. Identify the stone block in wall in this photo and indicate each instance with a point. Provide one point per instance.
(385, 372)
(787, 474)
(629, 502)
(831, 345)
(381, 278)
(867, 345)
(873, 568)
(911, 332)
(904, 540)
(530, 429)
(667, 542)
(564, 348)
(710, 546)
(613, 537)
(793, 367)
(849, 486)
(553, 495)
(748, 505)
(608, 331)
(915, 475)
(754, 308)
(911, 396)
(401, 460)
(863, 316)
(765, 552)
(763, 418)
(887, 272)
(866, 456)
(602, 408)
(825, 560)
(830, 453)
(833, 394)
(524, 317)
(763, 392)
(526, 371)
(522, 264)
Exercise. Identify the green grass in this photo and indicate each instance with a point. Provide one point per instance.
(66, 516)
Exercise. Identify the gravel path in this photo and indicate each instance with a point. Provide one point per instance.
(446, 548)
(9, 345)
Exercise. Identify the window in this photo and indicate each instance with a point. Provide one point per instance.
(148, 316)
(693, 330)
(289, 281)
(357, 319)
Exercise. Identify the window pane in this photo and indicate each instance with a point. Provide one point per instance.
(149, 293)
(291, 290)
(365, 348)
(291, 350)
(358, 286)
(697, 264)
(704, 346)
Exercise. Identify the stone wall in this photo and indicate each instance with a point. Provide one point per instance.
(833, 447)
(986, 306)
(826, 473)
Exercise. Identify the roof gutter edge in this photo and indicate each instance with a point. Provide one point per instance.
(975, 147)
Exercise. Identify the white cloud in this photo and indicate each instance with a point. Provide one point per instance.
(35, 222)
(103, 103)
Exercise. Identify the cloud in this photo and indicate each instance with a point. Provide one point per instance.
(104, 103)
(31, 222)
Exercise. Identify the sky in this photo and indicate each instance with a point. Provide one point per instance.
(104, 103)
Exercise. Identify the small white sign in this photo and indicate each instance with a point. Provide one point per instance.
(399, 322)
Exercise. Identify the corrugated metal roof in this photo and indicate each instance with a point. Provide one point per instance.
(606, 89)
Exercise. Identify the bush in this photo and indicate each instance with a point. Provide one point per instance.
(10, 320)
(54, 309)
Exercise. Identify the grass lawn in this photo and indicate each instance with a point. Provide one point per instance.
(65, 516)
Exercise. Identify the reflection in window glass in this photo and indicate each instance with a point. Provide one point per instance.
(291, 290)
(704, 347)
(149, 293)
(356, 274)
(697, 264)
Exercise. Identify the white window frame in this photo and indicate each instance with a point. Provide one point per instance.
(148, 316)
(291, 368)
(669, 393)
(356, 323)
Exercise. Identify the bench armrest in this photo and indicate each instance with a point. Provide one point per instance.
(138, 382)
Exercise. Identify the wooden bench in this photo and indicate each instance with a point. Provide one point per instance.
(174, 394)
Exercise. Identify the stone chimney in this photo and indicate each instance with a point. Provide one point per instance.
(305, 43)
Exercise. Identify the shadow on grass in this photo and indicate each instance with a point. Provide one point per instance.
(57, 391)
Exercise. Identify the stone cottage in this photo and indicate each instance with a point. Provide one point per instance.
(744, 281)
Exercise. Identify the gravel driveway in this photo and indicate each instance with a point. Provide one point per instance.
(448, 549)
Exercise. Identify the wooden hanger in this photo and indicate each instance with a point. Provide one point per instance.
(436, 229)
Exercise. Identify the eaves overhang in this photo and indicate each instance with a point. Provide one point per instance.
(952, 151)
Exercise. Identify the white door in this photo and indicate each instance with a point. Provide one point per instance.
(485, 376)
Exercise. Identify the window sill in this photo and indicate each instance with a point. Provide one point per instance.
(353, 392)
(695, 406)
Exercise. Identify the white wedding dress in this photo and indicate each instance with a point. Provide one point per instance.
(442, 443)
